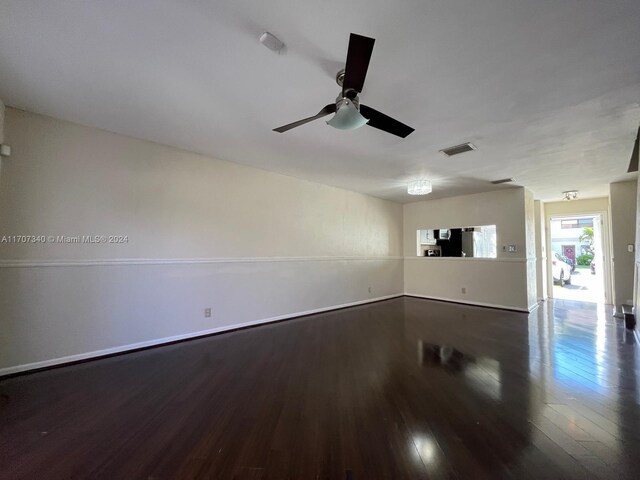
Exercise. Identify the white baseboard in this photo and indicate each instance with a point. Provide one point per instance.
(468, 302)
(159, 341)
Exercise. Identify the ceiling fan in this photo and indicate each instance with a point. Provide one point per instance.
(349, 113)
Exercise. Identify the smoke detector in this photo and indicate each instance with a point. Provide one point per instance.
(272, 42)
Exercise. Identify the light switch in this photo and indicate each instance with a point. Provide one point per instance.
(630, 247)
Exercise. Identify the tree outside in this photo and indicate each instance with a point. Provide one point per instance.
(587, 237)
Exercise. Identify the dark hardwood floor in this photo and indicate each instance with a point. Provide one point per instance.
(405, 388)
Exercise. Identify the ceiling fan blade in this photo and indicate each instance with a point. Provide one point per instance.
(327, 110)
(384, 122)
(358, 56)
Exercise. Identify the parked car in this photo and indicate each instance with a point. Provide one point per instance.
(561, 270)
(593, 267)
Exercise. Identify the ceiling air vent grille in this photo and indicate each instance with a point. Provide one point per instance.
(458, 149)
(502, 180)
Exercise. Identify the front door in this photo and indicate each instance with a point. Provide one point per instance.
(569, 251)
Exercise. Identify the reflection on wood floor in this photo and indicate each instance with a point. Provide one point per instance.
(405, 388)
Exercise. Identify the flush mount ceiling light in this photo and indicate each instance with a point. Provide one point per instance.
(419, 187)
(570, 195)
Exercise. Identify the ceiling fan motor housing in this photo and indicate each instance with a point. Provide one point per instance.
(349, 92)
(342, 99)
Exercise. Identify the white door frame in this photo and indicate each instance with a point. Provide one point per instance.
(605, 231)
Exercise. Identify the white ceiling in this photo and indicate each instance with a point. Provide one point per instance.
(548, 90)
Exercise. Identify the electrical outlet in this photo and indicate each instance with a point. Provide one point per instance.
(207, 312)
(512, 248)
(463, 289)
(630, 248)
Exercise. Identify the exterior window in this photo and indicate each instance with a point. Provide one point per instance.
(577, 223)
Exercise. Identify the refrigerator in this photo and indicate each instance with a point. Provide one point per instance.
(473, 244)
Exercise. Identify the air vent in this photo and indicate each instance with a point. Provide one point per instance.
(458, 149)
(503, 180)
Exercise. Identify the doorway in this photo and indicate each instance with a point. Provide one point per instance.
(577, 268)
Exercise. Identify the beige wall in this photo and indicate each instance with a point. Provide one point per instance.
(636, 278)
(2, 111)
(251, 245)
(530, 231)
(623, 214)
(494, 282)
(576, 207)
(68, 179)
(2, 114)
(541, 250)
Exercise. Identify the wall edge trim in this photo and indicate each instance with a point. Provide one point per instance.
(180, 261)
(534, 306)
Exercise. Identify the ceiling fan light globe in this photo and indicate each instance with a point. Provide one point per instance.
(347, 117)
